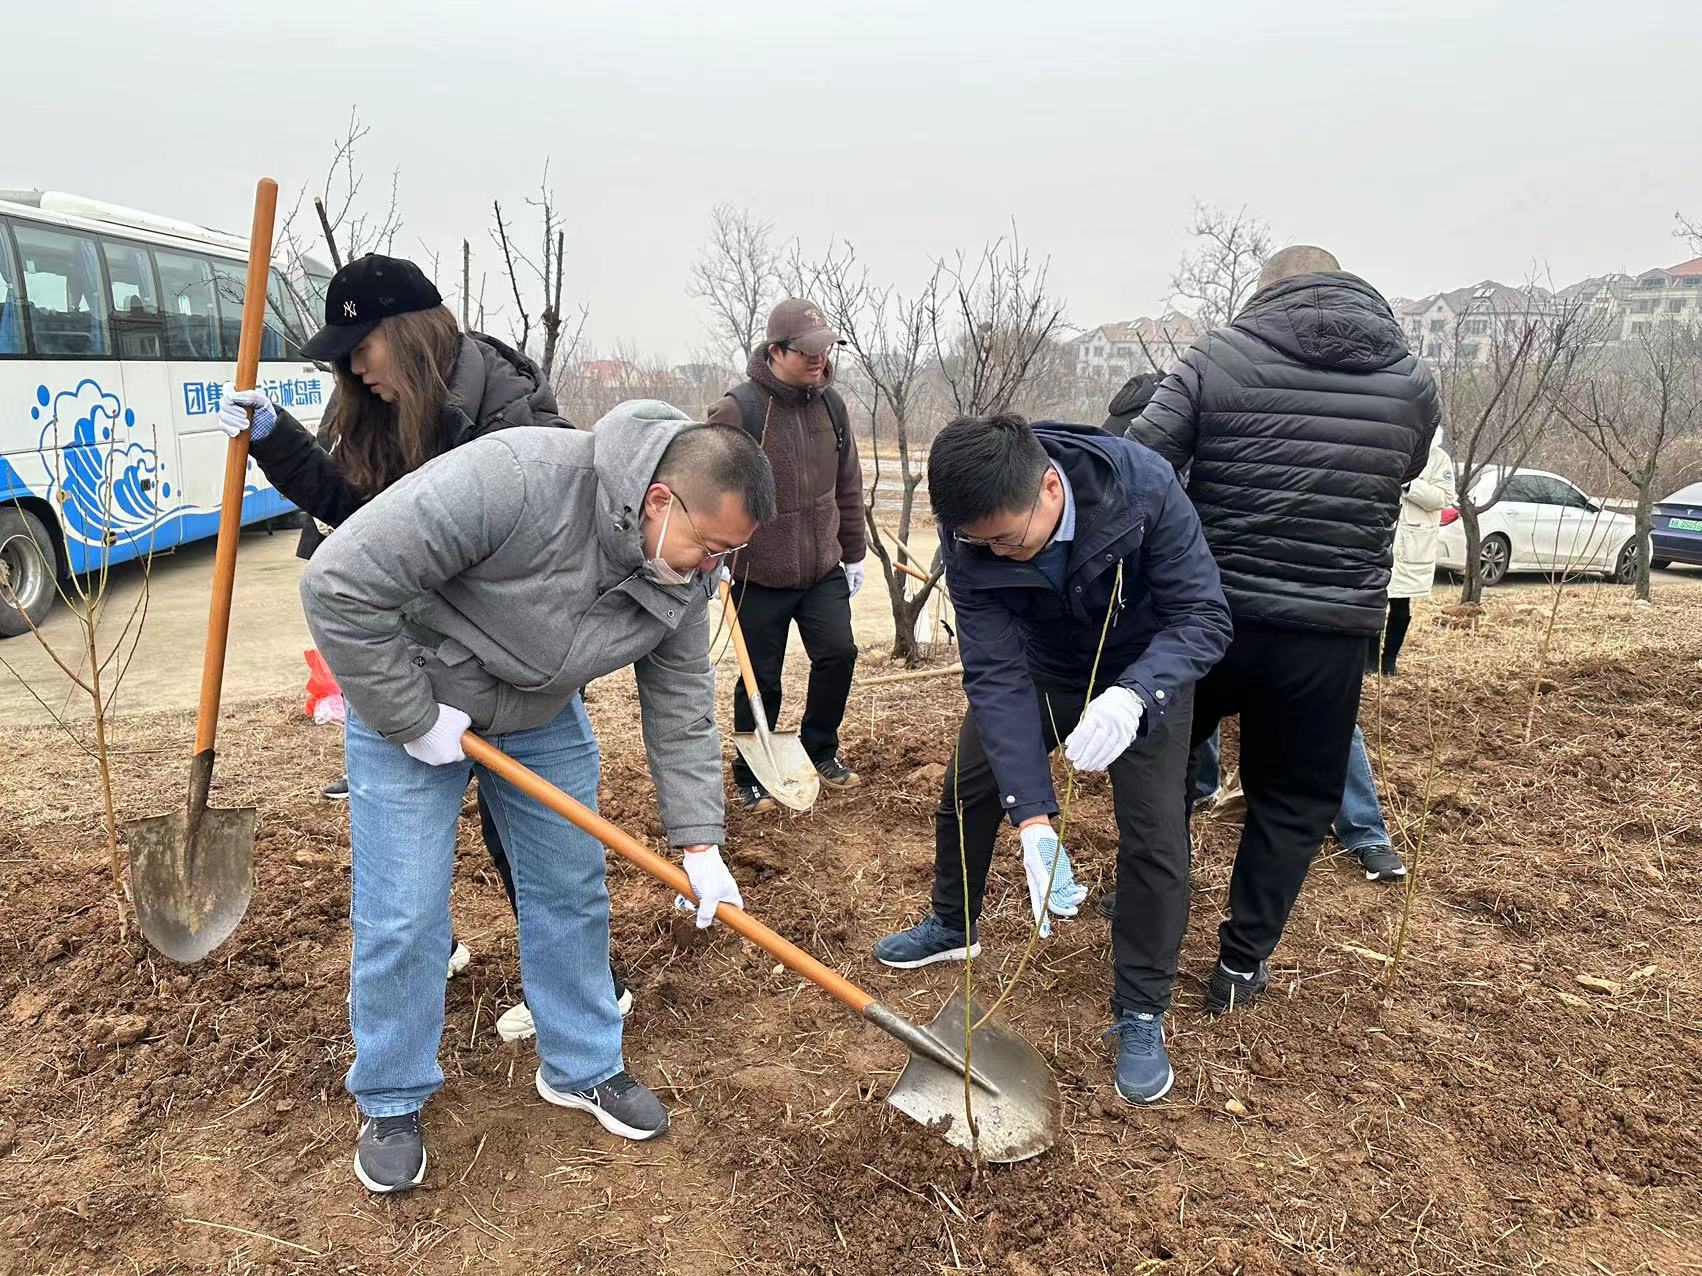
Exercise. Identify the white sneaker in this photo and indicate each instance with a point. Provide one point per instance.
(459, 960)
(515, 1023)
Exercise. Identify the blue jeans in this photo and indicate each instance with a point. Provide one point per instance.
(1359, 823)
(1203, 771)
(402, 817)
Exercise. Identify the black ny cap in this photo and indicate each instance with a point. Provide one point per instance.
(363, 292)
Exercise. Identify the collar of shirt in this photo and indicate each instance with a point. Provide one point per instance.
(1067, 520)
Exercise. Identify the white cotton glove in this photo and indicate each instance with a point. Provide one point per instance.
(233, 414)
(442, 744)
(1108, 726)
(853, 576)
(710, 882)
(1040, 847)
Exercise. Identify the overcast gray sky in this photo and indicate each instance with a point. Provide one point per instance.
(1428, 145)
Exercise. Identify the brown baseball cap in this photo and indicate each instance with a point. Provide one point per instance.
(797, 323)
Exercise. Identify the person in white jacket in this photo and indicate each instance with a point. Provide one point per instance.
(1417, 539)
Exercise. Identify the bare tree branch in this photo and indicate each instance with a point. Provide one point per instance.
(1221, 271)
(737, 277)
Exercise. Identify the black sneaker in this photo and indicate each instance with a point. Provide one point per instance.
(754, 798)
(390, 1155)
(337, 790)
(1381, 864)
(838, 774)
(1389, 670)
(1228, 990)
(1107, 906)
(620, 1104)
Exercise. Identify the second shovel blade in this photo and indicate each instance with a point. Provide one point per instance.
(190, 892)
(781, 766)
(1020, 1122)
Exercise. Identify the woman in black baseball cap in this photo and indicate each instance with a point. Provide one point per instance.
(410, 386)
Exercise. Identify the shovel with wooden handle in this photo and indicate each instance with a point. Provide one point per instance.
(1016, 1102)
(776, 758)
(192, 870)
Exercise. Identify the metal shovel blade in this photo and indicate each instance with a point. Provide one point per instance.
(1018, 1121)
(781, 766)
(192, 872)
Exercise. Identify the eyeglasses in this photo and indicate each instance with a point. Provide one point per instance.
(1006, 541)
(716, 556)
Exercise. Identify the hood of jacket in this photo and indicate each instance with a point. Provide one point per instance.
(1329, 320)
(631, 438)
(491, 380)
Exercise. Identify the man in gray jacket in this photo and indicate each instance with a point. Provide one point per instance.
(483, 591)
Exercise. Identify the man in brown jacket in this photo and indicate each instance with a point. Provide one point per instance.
(804, 564)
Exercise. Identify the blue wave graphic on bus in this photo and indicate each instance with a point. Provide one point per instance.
(115, 497)
(107, 486)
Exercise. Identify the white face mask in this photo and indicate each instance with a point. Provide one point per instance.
(658, 568)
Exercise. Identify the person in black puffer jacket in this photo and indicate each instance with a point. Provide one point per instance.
(410, 386)
(1297, 425)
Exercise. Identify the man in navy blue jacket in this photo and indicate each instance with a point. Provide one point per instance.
(1066, 549)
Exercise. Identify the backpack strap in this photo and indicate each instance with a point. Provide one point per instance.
(753, 413)
(837, 414)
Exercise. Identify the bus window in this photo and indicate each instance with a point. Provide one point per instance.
(62, 283)
(233, 285)
(11, 301)
(285, 315)
(191, 316)
(136, 323)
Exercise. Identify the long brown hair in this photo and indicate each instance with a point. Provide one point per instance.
(375, 442)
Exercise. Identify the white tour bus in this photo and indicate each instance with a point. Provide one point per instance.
(117, 331)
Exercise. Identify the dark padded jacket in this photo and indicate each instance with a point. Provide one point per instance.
(1296, 427)
(491, 387)
(1167, 620)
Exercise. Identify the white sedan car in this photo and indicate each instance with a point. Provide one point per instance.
(1542, 523)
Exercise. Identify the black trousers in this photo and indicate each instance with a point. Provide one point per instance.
(1148, 793)
(823, 614)
(1387, 645)
(493, 844)
(1297, 695)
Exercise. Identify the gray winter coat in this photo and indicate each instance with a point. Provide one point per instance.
(502, 577)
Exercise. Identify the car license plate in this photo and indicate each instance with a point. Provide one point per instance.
(1685, 524)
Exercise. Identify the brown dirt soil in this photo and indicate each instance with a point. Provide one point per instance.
(1490, 1113)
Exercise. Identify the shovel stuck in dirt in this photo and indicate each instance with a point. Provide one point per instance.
(192, 870)
(1016, 1102)
(776, 758)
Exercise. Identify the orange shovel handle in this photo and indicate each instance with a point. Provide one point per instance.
(236, 466)
(670, 875)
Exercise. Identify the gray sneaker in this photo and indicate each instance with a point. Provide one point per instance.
(390, 1155)
(620, 1104)
(928, 941)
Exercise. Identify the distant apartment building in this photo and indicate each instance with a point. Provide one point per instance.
(1638, 302)
(1461, 323)
(1138, 345)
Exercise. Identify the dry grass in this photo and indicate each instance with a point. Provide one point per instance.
(1520, 1103)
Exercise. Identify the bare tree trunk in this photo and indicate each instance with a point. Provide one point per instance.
(1644, 520)
(466, 284)
(1471, 580)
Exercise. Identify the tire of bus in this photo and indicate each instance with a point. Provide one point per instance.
(27, 570)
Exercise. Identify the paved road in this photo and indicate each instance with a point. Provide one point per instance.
(268, 634)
